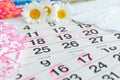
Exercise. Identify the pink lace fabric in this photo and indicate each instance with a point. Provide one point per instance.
(11, 44)
(8, 9)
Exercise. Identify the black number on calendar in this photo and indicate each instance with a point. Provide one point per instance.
(109, 49)
(98, 68)
(60, 29)
(32, 78)
(19, 76)
(26, 27)
(117, 56)
(41, 50)
(70, 44)
(73, 77)
(84, 56)
(81, 25)
(65, 36)
(84, 25)
(90, 32)
(96, 39)
(45, 63)
(60, 69)
(51, 24)
(111, 76)
(38, 41)
(34, 33)
(117, 35)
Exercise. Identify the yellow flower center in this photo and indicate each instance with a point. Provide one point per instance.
(35, 13)
(61, 14)
(48, 10)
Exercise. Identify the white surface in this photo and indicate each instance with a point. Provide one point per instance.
(100, 12)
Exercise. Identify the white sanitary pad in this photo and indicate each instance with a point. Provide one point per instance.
(103, 13)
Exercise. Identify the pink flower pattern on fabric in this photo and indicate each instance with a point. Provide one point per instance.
(10, 42)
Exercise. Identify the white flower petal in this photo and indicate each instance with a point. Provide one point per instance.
(27, 9)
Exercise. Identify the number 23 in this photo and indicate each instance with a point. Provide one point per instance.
(73, 76)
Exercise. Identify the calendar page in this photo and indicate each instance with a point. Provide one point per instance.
(73, 50)
(68, 51)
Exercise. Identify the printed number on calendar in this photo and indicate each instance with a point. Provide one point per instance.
(41, 50)
(117, 35)
(70, 44)
(98, 68)
(111, 76)
(73, 77)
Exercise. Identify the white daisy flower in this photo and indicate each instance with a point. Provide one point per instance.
(47, 6)
(33, 13)
(63, 12)
(50, 9)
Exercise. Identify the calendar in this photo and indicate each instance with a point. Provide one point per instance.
(67, 51)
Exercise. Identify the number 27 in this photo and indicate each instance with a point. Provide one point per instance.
(96, 39)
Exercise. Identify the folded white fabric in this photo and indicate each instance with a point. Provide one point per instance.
(110, 20)
(103, 13)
